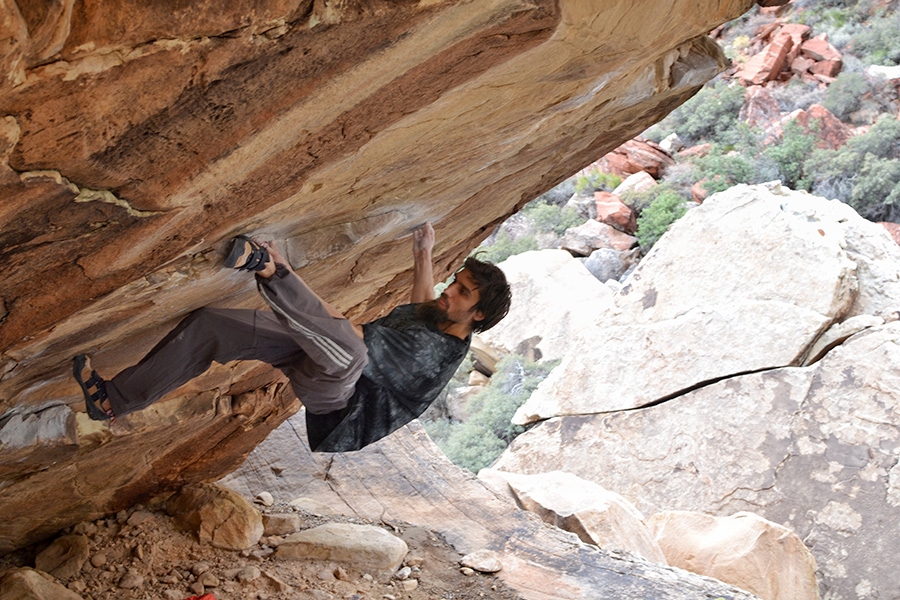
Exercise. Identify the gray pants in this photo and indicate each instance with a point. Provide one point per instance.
(321, 355)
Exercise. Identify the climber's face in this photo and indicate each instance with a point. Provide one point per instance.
(460, 298)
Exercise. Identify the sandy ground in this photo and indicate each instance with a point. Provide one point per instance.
(141, 554)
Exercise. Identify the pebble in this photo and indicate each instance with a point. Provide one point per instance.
(367, 577)
(249, 573)
(467, 571)
(341, 574)
(99, 559)
(409, 585)
(326, 575)
(389, 597)
(403, 573)
(485, 561)
(208, 579)
(139, 517)
(131, 580)
(172, 595)
(170, 578)
(197, 588)
(200, 567)
(414, 561)
(265, 498)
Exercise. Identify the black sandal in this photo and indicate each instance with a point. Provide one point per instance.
(92, 400)
(246, 255)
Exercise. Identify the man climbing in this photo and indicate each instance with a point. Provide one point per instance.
(358, 383)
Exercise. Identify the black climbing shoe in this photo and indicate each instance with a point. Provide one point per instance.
(92, 399)
(246, 255)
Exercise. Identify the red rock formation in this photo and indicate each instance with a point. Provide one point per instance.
(767, 65)
(830, 132)
(634, 156)
(612, 211)
(893, 229)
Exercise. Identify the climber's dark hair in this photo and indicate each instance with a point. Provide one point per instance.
(494, 294)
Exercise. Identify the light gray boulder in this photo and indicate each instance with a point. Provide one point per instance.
(366, 547)
(596, 515)
(553, 298)
(813, 448)
(750, 280)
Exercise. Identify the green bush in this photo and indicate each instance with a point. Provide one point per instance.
(593, 180)
(791, 153)
(861, 172)
(876, 194)
(506, 245)
(711, 115)
(539, 219)
(655, 220)
(845, 94)
(478, 442)
(723, 170)
(551, 218)
(878, 43)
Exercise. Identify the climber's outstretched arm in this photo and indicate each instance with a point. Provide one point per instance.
(423, 270)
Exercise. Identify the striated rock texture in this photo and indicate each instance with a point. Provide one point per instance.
(406, 478)
(136, 138)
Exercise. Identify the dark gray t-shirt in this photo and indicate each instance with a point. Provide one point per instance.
(410, 362)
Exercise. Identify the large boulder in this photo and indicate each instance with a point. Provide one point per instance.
(596, 515)
(744, 549)
(779, 268)
(366, 547)
(812, 448)
(217, 515)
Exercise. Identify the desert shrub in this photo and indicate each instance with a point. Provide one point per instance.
(798, 93)
(790, 154)
(666, 208)
(845, 94)
(538, 225)
(551, 218)
(478, 442)
(505, 244)
(723, 170)
(711, 115)
(593, 180)
(878, 43)
(862, 171)
(559, 194)
(876, 195)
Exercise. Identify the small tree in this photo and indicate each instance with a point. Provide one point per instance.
(655, 220)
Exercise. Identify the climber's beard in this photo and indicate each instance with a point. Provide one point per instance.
(431, 313)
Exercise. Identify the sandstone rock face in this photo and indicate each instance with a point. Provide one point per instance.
(136, 140)
(367, 547)
(406, 478)
(596, 515)
(709, 322)
(745, 550)
(554, 298)
(218, 515)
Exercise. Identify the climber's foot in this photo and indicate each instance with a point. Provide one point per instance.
(93, 387)
(247, 255)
